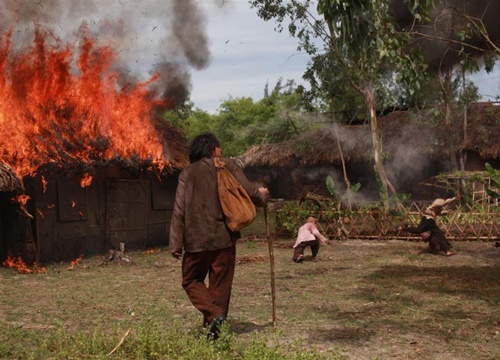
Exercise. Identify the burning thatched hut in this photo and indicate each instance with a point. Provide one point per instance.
(416, 146)
(80, 209)
(99, 170)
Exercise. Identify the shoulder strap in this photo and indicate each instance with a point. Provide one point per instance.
(219, 164)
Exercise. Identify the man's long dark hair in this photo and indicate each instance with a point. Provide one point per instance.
(202, 146)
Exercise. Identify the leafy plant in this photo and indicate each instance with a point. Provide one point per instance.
(292, 215)
(346, 196)
(496, 180)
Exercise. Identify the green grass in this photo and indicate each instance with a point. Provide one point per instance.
(362, 300)
(150, 339)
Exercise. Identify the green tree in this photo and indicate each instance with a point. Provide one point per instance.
(279, 115)
(360, 39)
(282, 113)
(192, 121)
(240, 123)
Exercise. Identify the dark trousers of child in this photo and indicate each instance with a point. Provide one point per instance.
(298, 252)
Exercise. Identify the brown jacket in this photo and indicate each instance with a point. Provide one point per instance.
(197, 221)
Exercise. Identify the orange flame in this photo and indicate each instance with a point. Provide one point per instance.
(44, 184)
(74, 263)
(22, 199)
(20, 265)
(60, 103)
(152, 251)
(40, 212)
(86, 180)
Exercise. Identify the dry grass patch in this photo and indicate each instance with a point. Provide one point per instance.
(364, 299)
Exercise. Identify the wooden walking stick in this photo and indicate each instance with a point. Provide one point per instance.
(271, 259)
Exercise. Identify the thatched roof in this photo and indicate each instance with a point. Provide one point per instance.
(9, 182)
(174, 156)
(483, 130)
(403, 132)
(279, 155)
(175, 144)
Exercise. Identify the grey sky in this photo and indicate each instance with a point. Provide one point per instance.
(488, 84)
(246, 53)
(208, 49)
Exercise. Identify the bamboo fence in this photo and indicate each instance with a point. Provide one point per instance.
(464, 223)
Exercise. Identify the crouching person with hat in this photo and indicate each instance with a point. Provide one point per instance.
(428, 229)
(308, 236)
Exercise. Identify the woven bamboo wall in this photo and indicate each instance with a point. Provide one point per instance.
(463, 223)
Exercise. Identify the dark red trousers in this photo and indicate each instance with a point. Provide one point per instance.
(299, 250)
(212, 299)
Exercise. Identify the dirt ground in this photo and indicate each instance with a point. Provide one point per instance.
(368, 299)
(387, 299)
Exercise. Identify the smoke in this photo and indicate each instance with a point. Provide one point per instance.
(446, 18)
(407, 145)
(149, 36)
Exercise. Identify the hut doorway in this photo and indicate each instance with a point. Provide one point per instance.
(16, 232)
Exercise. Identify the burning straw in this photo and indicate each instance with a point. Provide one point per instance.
(21, 267)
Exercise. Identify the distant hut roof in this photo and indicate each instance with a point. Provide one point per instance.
(352, 142)
(322, 147)
(9, 182)
(402, 131)
(483, 130)
(279, 154)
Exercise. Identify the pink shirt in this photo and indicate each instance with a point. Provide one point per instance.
(308, 232)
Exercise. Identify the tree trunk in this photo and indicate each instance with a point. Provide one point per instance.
(445, 90)
(445, 81)
(462, 152)
(346, 179)
(385, 184)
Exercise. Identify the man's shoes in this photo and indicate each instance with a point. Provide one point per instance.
(299, 259)
(214, 327)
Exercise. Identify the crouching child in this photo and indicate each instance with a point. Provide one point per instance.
(308, 236)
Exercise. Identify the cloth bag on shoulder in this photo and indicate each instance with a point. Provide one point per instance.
(236, 203)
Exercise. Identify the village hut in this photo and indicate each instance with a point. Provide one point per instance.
(416, 146)
(78, 208)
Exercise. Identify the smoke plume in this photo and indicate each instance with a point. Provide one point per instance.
(149, 36)
(448, 17)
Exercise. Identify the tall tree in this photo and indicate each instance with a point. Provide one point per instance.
(381, 45)
(360, 38)
(457, 37)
